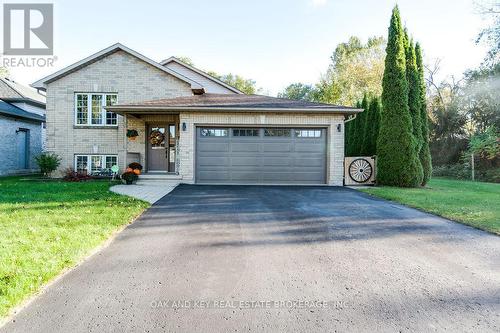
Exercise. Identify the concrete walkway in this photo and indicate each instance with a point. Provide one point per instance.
(147, 192)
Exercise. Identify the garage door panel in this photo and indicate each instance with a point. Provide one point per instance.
(213, 146)
(270, 147)
(264, 159)
(251, 146)
(212, 161)
(244, 161)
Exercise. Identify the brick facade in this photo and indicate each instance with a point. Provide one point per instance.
(132, 79)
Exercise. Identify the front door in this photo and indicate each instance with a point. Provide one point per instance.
(158, 148)
(161, 148)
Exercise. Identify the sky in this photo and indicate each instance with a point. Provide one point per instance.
(274, 43)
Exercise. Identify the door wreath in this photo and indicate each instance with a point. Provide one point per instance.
(156, 137)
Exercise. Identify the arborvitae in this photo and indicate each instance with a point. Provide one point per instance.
(425, 153)
(360, 127)
(414, 101)
(365, 140)
(372, 126)
(396, 147)
(350, 134)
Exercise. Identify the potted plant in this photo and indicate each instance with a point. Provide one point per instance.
(129, 177)
(132, 134)
(135, 168)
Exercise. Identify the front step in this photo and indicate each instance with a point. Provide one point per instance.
(159, 179)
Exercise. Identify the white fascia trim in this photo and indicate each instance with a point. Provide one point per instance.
(42, 83)
(196, 70)
(229, 110)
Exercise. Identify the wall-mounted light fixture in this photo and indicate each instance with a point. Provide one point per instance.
(184, 127)
(339, 128)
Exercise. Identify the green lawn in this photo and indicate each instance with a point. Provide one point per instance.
(473, 203)
(47, 226)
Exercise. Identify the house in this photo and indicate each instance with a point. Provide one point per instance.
(22, 122)
(191, 126)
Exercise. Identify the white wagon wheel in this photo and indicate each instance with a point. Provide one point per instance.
(360, 170)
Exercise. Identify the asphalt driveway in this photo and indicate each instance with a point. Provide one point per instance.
(253, 258)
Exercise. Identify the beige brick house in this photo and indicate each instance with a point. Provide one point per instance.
(190, 125)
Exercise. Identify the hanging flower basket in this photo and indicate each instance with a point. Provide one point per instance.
(132, 134)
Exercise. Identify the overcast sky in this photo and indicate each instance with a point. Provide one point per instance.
(273, 42)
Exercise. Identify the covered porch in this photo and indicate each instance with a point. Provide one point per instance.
(156, 146)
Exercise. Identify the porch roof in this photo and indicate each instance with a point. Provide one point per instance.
(230, 103)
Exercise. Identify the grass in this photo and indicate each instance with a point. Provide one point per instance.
(472, 203)
(48, 226)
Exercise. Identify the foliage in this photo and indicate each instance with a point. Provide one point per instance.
(48, 163)
(186, 60)
(371, 127)
(425, 153)
(71, 175)
(135, 166)
(491, 34)
(355, 69)
(486, 144)
(129, 177)
(471, 203)
(49, 226)
(359, 128)
(398, 161)
(4, 72)
(298, 91)
(132, 133)
(247, 86)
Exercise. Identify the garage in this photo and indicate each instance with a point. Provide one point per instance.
(270, 155)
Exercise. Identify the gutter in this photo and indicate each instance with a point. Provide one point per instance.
(138, 108)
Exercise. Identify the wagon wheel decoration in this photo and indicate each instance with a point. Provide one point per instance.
(156, 137)
(360, 170)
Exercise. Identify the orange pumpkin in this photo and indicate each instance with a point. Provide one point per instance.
(137, 171)
(129, 170)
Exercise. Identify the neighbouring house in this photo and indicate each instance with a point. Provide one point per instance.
(190, 125)
(22, 127)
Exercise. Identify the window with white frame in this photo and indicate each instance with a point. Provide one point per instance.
(95, 164)
(90, 109)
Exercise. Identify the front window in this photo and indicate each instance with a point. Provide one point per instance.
(90, 109)
(95, 164)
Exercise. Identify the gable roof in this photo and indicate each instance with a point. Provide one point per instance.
(233, 102)
(10, 110)
(42, 83)
(14, 91)
(200, 72)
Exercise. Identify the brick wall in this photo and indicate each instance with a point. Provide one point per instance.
(131, 78)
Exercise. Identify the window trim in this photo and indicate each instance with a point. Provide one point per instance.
(257, 129)
(89, 109)
(89, 161)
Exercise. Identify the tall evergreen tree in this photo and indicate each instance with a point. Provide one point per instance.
(366, 139)
(425, 153)
(414, 100)
(396, 147)
(373, 126)
(360, 128)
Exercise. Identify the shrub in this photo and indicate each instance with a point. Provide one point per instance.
(135, 166)
(71, 175)
(48, 162)
(129, 177)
